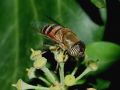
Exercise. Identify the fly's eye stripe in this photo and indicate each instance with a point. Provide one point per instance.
(44, 29)
(74, 50)
(51, 28)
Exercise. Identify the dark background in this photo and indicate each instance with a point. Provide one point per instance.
(112, 34)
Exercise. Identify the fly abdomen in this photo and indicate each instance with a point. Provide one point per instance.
(51, 29)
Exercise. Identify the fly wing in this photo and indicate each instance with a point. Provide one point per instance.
(37, 28)
(69, 38)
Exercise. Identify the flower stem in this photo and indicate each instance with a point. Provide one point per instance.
(61, 72)
(49, 75)
(74, 71)
(44, 80)
(41, 88)
(76, 67)
(87, 70)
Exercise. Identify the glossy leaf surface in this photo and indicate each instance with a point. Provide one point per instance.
(106, 53)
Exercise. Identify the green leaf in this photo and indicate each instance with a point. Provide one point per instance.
(106, 53)
(17, 35)
(101, 84)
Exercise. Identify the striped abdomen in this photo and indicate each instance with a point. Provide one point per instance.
(50, 30)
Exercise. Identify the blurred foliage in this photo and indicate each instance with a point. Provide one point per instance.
(101, 84)
(104, 53)
(17, 36)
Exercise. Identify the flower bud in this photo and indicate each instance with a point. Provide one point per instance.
(55, 88)
(91, 89)
(39, 63)
(58, 86)
(93, 65)
(31, 73)
(21, 85)
(69, 80)
(60, 56)
(36, 54)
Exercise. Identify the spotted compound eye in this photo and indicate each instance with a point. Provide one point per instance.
(77, 50)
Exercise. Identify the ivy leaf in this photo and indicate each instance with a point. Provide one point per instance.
(101, 84)
(105, 52)
(17, 35)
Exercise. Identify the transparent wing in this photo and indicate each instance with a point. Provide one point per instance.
(37, 28)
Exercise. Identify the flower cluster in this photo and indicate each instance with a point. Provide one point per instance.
(51, 79)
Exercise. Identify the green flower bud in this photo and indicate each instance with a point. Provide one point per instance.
(36, 54)
(58, 86)
(91, 89)
(31, 73)
(39, 63)
(21, 85)
(69, 80)
(60, 56)
(92, 65)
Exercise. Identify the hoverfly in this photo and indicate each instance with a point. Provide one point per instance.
(65, 38)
